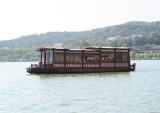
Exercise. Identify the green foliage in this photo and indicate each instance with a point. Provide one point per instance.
(132, 54)
(137, 55)
(83, 44)
(145, 55)
(13, 55)
(141, 55)
(150, 55)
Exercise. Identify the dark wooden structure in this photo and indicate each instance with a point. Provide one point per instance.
(85, 60)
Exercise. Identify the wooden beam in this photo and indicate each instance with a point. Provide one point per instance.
(82, 59)
(100, 59)
(53, 59)
(48, 56)
(45, 59)
(65, 58)
(115, 57)
(128, 58)
(41, 56)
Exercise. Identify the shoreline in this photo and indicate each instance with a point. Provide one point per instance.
(145, 58)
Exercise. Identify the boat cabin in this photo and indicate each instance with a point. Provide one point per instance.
(87, 57)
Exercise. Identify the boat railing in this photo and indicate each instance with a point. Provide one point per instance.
(92, 65)
(78, 65)
(34, 65)
(59, 65)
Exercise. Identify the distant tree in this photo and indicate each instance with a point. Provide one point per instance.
(146, 55)
(132, 54)
(158, 54)
(137, 55)
(83, 44)
(147, 46)
(12, 55)
(141, 55)
(150, 55)
(155, 55)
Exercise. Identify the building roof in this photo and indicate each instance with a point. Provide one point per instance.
(156, 47)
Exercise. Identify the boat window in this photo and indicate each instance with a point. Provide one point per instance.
(89, 58)
(107, 57)
(73, 58)
(43, 56)
(47, 56)
(51, 56)
(59, 58)
(124, 57)
(121, 57)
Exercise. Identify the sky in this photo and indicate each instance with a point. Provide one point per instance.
(25, 17)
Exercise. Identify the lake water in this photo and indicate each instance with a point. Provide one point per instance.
(125, 92)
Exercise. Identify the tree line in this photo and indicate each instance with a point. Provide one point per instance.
(145, 55)
(18, 54)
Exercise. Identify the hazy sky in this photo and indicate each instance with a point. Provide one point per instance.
(25, 17)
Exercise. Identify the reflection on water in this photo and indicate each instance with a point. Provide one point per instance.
(129, 92)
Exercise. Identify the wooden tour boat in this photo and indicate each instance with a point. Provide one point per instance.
(85, 60)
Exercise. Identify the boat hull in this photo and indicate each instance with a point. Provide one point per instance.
(76, 70)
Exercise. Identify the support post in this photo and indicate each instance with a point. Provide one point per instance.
(82, 58)
(41, 56)
(114, 57)
(48, 56)
(100, 58)
(53, 59)
(49, 59)
(65, 58)
(128, 58)
(45, 59)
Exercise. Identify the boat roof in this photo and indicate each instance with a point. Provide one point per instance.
(51, 48)
(116, 47)
(90, 48)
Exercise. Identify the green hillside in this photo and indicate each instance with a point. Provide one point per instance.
(96, 37)
(23, 48)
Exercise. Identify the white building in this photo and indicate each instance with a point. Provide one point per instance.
(126, 37)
